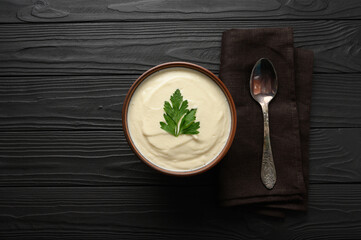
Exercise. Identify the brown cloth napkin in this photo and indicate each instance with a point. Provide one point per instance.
(289, 112)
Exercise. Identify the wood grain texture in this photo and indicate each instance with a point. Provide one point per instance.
(71, 102)
(76, 158)
(72, 158)
(127, 48)
(157, 212)
(139, 10)
(95, 102)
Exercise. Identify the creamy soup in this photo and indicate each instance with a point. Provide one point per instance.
(184, 152)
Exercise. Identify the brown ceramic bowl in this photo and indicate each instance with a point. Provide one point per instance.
(199, 69)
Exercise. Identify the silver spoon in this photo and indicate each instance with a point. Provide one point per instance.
(263, 86)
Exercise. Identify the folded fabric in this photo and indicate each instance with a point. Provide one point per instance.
(289, 112)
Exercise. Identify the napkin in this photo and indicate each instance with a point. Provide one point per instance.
(289, 113)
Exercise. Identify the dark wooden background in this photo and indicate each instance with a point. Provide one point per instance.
(66, 171)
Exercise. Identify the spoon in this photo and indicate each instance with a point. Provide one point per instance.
(263, 87)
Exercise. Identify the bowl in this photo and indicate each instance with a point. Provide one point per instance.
(210, 75)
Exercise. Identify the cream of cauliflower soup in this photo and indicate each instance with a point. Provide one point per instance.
(167, 150)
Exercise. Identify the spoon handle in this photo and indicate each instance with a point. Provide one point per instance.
(268, 170)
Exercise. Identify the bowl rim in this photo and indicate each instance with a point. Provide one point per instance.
(196, 68)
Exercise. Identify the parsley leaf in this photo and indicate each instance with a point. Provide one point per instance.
(178, 119)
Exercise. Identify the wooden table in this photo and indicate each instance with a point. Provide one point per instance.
(66, 171)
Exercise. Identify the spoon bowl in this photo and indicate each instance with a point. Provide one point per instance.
(263, 81)
(263, 88)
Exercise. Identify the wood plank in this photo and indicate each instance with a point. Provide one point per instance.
(156, 212)
(127, 48)
(111, 10)
(69, 158)
(336, 101)
(76, 102)
(95, 102)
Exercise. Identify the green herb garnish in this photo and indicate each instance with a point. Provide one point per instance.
(178, 119)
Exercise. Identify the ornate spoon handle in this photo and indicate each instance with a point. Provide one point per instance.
(268, 170)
